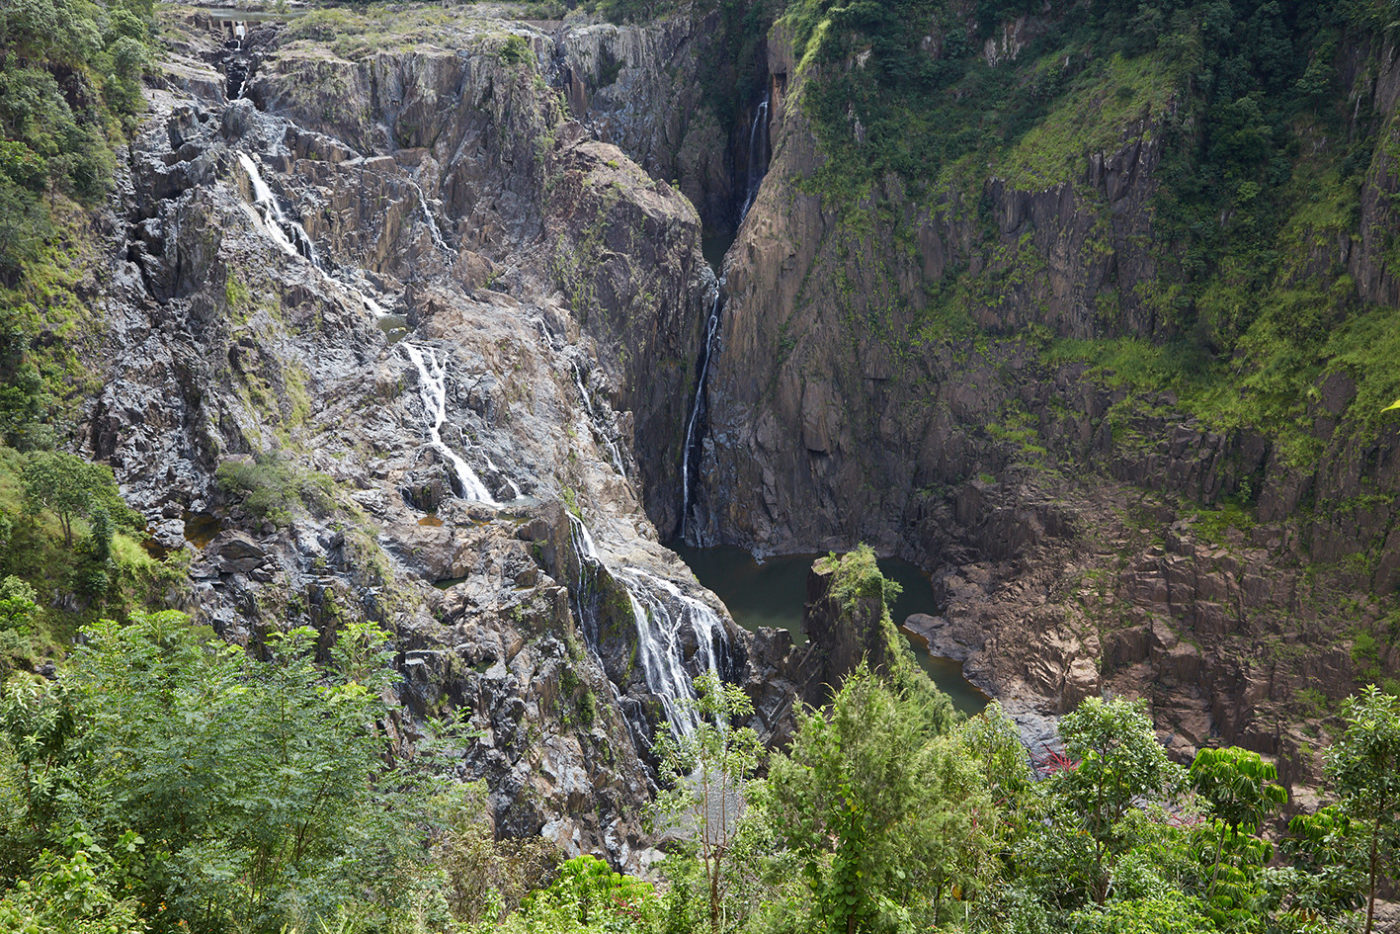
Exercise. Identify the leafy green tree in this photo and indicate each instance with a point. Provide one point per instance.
(1119, 762)
(69, 895)
(879, 807)
(1242, 790)
(587, 898)
(710, 769)
(69, 487)
(1166, 912)
(254, 786)
(1328, 855)
(17, 606)
(1364, 769)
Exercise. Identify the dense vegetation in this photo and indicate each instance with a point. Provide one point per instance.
(70, 549)
(1264, 154)
(70, 82)
(168, 782)
(163, 781)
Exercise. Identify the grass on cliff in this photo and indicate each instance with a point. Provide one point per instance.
(72, 583)
(1101, 107)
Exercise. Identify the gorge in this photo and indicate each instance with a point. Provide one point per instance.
(571, 344)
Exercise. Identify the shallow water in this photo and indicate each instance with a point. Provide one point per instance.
(771, 593)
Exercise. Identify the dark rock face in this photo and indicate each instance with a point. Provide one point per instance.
(842, 635)
(1021, 483)
(641, 88)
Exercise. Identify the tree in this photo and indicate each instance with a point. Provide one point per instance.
(69, 487)
(1364, 768)
(255, 787)
(586, 898)
(71, 895)
(1119, 761)
(1328, 856)
(879, 806)
(17, 606)
(711, 768)
(1242, 790)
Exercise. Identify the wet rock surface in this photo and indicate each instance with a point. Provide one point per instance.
(400, 328)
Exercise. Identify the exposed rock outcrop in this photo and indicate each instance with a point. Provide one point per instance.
(337, 336)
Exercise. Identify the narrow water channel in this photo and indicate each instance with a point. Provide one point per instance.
(771, 593)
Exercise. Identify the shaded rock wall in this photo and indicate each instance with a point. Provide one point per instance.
(849, 402)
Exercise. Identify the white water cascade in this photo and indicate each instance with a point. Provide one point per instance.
(691, 442)
(433, 229)
(757, 154)
(432, 389)
(660, 611)
(285, 232)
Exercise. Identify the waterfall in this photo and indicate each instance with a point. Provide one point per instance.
(432, 389)
(285, 232)
(757, 155)
(593, 419)
(433, 229)
(695, 427)
(691, 451)
(373, 307)
(660, 613)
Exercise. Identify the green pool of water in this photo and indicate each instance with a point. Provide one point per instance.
(771, 593)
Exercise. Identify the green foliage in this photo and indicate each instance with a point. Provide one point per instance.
(17, 607)
(881, 808)
(70, 76)
(485, 879)
(1119, 762)
(1327, 849)
(241, 794)
(856, 577)
(516, 51)
(69, 487)
(1364, 768)
(1168, 913)
(586, 898)
(710, 769)
(270, 486)
(1239, 785)
(69, 895)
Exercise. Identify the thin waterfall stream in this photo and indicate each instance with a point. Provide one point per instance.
(432, 389)
(693, 446)
(268, 215)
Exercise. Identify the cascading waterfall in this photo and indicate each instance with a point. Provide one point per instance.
(285, 232)
(659, 642)
(438, 240)
(694, 427)
(432, 389)
(292, 238)
(660, 610)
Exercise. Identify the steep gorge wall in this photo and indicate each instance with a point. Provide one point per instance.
(397, 261)
(852, 400)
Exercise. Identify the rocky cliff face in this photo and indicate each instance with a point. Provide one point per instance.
(391, 336)
(850, 401)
